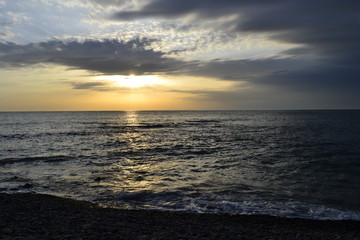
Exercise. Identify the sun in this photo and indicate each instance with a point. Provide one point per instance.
(133, 81)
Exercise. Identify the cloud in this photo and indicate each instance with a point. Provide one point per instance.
(171, 9)
(9, 19)
(6, 35)
(106, 57)
(276, 99)
(113, 57)
(243, 70)
(117, 3)
(99, 86)
(326, 32)
(326, 28)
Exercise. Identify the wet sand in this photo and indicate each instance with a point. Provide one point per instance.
(36, 216)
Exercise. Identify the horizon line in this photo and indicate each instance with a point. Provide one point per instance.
(183, 110)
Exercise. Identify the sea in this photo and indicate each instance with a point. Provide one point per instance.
(295, 164)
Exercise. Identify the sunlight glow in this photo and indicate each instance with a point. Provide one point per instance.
(133, 81)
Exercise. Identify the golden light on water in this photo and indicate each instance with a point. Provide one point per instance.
(132, 118)
(133, 81)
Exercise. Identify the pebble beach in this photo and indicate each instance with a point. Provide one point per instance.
(36, 216)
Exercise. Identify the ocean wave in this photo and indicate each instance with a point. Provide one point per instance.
(203, 203)
(31, 135)
(13, 136)
(47, 159)
(204, 121)
(136, 126)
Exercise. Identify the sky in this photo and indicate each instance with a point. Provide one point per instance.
(88, 55)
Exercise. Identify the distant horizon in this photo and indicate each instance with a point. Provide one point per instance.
(185, 110)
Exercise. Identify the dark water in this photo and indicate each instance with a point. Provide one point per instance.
(286, 163)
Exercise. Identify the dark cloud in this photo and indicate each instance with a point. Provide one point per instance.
(327, 28)
(132, 57)
(204, 8)
(272, 98)
(243, 70)
(326, 63)
(284, 76)
(100, 86)
(112, 2)
(107, 57)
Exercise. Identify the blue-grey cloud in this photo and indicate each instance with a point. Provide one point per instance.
(275, 98)
(204, 8)
(107, 56)
(99, 86)
(112, 57)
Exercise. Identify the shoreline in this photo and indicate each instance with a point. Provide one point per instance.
(37, 216)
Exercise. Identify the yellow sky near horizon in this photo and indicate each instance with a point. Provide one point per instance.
(56, 88)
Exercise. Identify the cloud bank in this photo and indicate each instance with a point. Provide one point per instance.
(328, 28)
(326, 60)
(105, 57)
(113, 57)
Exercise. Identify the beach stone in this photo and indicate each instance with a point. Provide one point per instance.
(98, 179)
(139, 179)
(30, 238)
(7, 231)
(86, 226)
(28, 185)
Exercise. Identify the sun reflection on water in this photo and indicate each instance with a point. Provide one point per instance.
(131, 118)
(139, 168)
